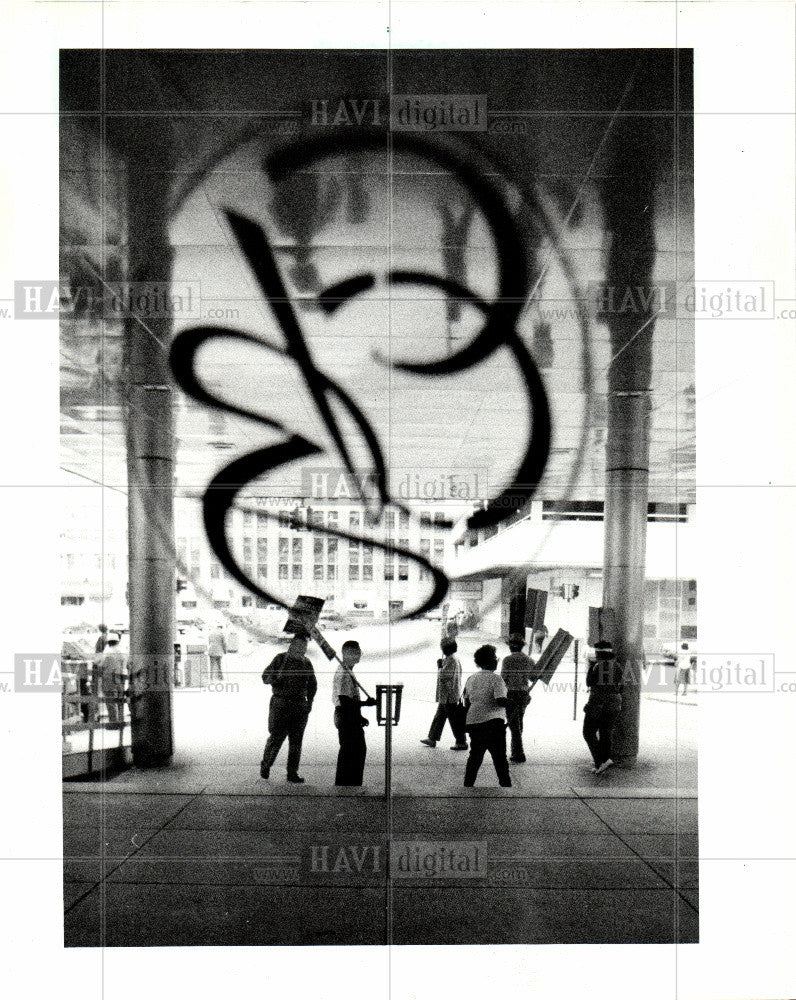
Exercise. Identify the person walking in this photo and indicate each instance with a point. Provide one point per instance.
(113, 671)
(517, 671)
(216, 647)
(485, 697)
(683, 669)
(348, 718)
(293, 687)
(604, 682)
(449, 692)
(102, 639)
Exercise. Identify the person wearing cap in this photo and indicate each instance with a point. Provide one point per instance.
(604, 682)
(517, 671)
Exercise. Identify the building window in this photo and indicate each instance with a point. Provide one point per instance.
(262, 549)
(283, 574)
(215, 571)
(572, 510)
(331, 549)
(261, 602)
(403, 571)
(353, 519)
(331, 572)
(389, 570)
(403, 519)
(367, 572)
(425, 552)
(296, 571)
(439, 548)
(440, 521)
(317, 571)
(353, 572)
(262, 571)
(332, 516)
(425, 519)
(283, 546)
(297, 549)
(367, 555)
(262, 522)
(246, 602)
(389, 519)
(248, 519)
(247, 569)
(317, 547)
(247, 549)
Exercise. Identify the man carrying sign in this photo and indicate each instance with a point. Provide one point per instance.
(294, 686)
(348, 718)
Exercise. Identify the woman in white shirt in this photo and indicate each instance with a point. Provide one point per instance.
(485, 697)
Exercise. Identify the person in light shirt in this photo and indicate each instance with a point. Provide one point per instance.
(348, 718)
(485, 696)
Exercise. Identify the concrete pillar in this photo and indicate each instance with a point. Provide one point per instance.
(150, 462)
(626, 492)
(628, 197)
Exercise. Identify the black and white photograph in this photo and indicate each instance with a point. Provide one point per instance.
(397, 498)
(379, 589)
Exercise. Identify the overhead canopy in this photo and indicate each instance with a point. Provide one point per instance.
(211, 117)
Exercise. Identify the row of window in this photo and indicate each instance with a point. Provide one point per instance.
(291, 551)
(74, 560)
(318, 518)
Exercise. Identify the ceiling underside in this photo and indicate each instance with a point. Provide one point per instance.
(371, 216)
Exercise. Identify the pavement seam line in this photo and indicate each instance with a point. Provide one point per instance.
(132, 854)
(619, 837)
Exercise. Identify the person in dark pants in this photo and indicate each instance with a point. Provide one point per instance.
(112, 674)
(604, 681)
(485, 697)
(89, 676)
(348, 718)
(449, 692)
(294, 686)
(517, 671)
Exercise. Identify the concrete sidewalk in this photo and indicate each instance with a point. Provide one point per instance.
(259, 862)
(205, 852)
